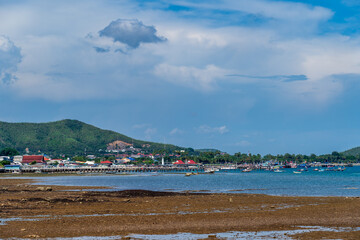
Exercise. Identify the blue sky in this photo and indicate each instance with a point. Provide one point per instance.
(260, 76)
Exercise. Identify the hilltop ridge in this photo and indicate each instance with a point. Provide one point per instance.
(352, 152)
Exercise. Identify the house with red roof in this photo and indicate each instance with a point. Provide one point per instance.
(179, 162)
(191, 162)
(27, 159)
(107, 162)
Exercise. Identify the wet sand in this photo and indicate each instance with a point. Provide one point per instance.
(58, 211)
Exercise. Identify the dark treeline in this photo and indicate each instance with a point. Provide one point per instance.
(218, 157)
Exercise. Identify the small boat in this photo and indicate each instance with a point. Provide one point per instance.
(297, 172)
(340, 169)
(277, 171)
(209, 170)
(188, 174)
(247, 170)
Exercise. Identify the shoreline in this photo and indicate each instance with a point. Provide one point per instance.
(63, 212)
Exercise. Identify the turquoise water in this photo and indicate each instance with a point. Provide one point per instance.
(311, 183)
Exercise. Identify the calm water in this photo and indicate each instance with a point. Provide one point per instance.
(311, 183)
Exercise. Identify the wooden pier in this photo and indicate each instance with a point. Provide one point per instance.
(114, 169)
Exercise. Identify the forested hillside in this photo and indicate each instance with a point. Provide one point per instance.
(64, 137)
(352, 152)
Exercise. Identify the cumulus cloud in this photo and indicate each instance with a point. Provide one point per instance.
(131, 32)
(208, 129)
(10, 57)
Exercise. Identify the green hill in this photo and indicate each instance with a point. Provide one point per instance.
(65, 137)
(352, 152)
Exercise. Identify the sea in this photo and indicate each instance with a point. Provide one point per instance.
(287, 183)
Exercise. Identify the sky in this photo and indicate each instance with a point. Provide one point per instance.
(259, 76)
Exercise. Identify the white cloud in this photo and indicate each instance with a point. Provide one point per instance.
(201, 79)
(208, 129)
(176, 131)
(10, 57)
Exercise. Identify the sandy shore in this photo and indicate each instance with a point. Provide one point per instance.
(60, 212)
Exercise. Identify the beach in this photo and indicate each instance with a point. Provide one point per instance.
(35, 211)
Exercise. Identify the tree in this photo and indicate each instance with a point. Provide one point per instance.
(9, 152)
(4, 162)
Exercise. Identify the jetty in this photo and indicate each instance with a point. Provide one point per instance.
(114, 169)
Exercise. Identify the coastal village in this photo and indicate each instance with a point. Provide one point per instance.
(127, 163)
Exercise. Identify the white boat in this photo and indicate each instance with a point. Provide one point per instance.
(209, 170)
(297, 172)
(247, 170)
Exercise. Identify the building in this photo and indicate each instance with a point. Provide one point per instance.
(27, 159)
(18, 159)
(12, 168)
(179, 162)
(190, 162)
